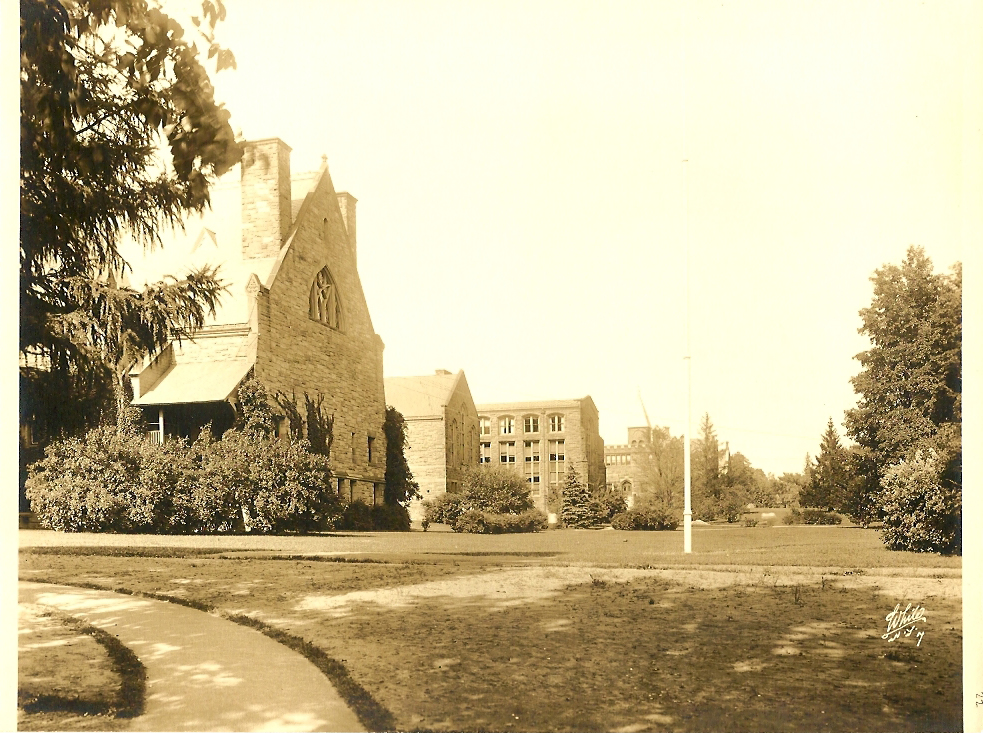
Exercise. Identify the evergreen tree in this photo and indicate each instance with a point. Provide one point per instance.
(829, 478)
(705, 460)
(400, 486)
(578, 508)
(106, 86)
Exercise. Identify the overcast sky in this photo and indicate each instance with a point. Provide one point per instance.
(525, 208)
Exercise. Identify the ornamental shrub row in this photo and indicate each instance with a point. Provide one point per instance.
(360, 516)
(644, 519)
(478, 522)
(116, 480)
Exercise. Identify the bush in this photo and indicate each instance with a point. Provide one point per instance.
(356, 516)
(445, 509)
(820, 516)
(644, 519)
(750, 522)
(531, 520)
(264, 484)
(113, 480)
(471, 521)
(794, 516)
(922, 507)
(390, 518)
(117, 480)
(609, 504)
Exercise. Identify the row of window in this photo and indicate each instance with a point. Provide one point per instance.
(530, 424)
(617, 459)
(531, 458)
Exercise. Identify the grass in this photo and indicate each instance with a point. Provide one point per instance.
(762, 629)
(66, 683)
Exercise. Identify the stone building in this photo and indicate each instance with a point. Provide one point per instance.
(441, 430)
(621, 463)
(294, 315)
(542, 440)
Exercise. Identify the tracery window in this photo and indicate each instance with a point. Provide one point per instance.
(325, 304)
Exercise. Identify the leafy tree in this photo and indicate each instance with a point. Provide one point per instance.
(910, 384)
(497, 490)
(788, 487)
(120, 133)
(578, 508)
(829, 480)
(659, 471)
(400, 486)
(922, 503)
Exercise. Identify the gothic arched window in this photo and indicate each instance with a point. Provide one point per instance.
(325, 304)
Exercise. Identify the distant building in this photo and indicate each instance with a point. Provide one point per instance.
(622, 464)
(542, 440)
(295, 315)
(441, 429)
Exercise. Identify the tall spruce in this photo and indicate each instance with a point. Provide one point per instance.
(579, 509)
(829, 477)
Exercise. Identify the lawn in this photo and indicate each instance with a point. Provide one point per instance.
(775, 628)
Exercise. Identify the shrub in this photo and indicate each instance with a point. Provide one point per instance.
(819, 516)
(794, 516)
(264, 484)
(922, 507)
(390, 518)
(444, 509)
(750, 522)
(608, 504)
(113, 480)
(531, 520)
(471, 521)
(644, 519)
(496, 490)
(357, 516)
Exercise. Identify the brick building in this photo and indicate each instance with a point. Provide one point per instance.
(542, 440)
(441, 428)
(294, 315)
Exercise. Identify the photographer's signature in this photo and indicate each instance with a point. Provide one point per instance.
(905, 622)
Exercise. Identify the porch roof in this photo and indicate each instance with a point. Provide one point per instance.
(186, 382)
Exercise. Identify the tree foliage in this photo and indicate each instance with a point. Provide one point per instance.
(119, 134)
(579, 508)
(400, 485)
(829, 478)
(659, 471)
(910, 384)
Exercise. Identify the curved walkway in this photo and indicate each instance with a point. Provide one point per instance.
(205, 673)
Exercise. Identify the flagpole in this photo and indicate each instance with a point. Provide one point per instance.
(687, 477)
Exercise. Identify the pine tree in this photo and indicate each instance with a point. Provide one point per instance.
(829, 477)
(578, 508)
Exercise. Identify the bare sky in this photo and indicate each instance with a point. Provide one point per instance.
(523, 210)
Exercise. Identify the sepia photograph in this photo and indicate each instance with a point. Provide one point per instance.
(494, 366)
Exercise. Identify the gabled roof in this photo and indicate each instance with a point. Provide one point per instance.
(212, 238)
(422, 396)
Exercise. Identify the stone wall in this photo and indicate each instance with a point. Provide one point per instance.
(296, 354)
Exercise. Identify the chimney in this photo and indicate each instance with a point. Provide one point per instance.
(265, 197)
(347, 204)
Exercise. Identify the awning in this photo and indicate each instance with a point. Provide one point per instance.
(207, 381)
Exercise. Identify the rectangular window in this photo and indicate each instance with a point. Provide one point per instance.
(556, 423)
(530, 425)
(530, 450)
(485, 453)
(506, 452)
(354, 449)
(558, 462)
(485, 423)
(507, 424)
(371, 440)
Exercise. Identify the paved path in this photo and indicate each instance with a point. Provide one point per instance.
(205, 673)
